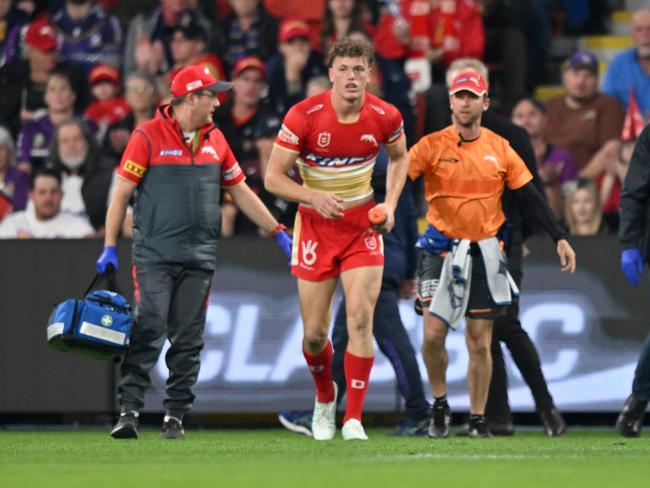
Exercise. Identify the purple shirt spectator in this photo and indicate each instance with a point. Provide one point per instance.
(558, 157)
(10, 44)
(34, 142)
(92, 39)
(16, 188)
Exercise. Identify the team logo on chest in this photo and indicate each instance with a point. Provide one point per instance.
(209, 150)
(324, 139)
(369, 138)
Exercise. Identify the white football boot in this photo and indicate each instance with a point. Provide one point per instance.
(323, 421)
(353, 430)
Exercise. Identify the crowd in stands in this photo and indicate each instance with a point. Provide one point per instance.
(78, 76)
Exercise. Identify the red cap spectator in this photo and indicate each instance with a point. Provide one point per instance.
(196, 78)
(104, 72)
(249, 62)
(40, 35)
(469, 81)
(292, 29)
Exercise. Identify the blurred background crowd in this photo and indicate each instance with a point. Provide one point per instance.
(78, 76)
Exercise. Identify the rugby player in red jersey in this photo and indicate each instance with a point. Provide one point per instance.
(334, 138)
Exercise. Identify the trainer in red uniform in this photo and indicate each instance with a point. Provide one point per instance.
(334, 139)
(175, 166)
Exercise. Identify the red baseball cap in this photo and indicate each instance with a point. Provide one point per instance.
(104, 72)
(249, 62)
(196, 78)
(292, 29)
(469, 81)
(41, 35)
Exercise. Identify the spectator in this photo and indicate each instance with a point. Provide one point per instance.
(555, 165)
(392, 37)
(87, 34)
(12, 20)
(611, 164)
(341, 18)
(250, 127)
(22, 82)
(86, 177)
(141, 97)
(455, 31)
(109, 106)
(188, 45)
(14, 184)
(249, 31)
(582, 214)
(629, 72)
(34, 140)
(44, 219)
(294, 64)
(583, 120)
(148, 41)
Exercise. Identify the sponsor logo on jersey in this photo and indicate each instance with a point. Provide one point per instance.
(369, 138)
(209, 150)
(134, 168)
(357, 384)
(287, 136)
(336, 160)
(324, 139)
(171, 152)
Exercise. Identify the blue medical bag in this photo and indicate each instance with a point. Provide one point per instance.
(98, 326)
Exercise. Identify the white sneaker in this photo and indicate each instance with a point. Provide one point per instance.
(353, 430)
(323, 421)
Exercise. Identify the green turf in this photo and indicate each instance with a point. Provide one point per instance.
(264, 458)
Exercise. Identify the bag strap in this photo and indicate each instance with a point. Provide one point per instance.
(109, 277)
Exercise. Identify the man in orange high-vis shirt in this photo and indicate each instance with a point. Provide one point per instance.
(465, 169)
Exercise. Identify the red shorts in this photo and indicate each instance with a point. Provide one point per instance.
(324, 248)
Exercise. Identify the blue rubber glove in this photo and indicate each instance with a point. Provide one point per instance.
(108, 258)
(632, 265)
(285, 243)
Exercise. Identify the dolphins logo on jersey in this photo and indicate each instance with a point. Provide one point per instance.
(369, 138)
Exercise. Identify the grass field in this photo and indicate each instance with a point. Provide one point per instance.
(269, 458)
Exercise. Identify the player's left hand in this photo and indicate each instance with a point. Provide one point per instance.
(389, 222)
(567, 255)
(285, 243)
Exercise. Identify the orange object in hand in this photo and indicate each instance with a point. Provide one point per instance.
(376, 216)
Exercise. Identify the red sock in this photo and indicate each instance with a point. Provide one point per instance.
(357, 372)
(320, 366)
